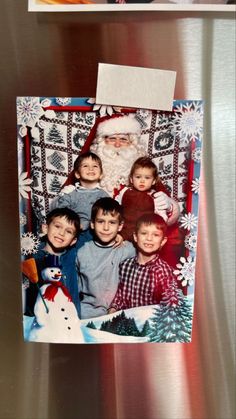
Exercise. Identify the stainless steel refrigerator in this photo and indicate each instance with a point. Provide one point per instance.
(56, 54)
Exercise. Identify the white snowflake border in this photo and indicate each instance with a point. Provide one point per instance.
(29, 111)
(23, 219)
(188, 221)
(186, 270)
(190, 241)
(24, 185)
(188, 121)
(63, 101)
(197, 155)
(103, 109)
(195, 186)
(29, 243)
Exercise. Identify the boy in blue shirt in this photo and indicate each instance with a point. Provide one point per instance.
(61, 231)
(85, 188)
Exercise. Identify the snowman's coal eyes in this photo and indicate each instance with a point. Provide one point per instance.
(51, 270)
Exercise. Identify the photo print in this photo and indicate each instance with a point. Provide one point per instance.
(108, 210)
(101, 5)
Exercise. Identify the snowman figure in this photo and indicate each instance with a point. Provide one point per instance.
(56, 318)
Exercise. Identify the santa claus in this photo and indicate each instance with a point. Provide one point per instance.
(117, 141)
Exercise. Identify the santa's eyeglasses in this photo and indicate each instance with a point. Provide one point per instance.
(121, 139)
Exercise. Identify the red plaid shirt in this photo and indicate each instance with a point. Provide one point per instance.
(141, 285)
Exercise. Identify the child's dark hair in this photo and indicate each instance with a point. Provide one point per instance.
(149, 219)
(107, 205)
(71, 216)
(87, 155)
(144, 162)
(72, 179)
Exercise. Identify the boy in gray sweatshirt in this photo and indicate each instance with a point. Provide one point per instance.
(98, 260)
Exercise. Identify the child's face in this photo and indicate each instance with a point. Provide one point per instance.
(106, 226)
(149, 238)
(89, 170)
(142, 179)
(60, 233)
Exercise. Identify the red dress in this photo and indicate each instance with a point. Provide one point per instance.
(135, 203)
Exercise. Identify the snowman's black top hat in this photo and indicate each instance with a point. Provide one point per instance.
(51, 261)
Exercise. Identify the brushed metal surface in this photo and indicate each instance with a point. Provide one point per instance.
(52, 54)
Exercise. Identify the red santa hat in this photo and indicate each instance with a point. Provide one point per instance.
(120, 125)
(109, 125)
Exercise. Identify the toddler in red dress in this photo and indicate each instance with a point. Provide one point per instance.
(145, 194)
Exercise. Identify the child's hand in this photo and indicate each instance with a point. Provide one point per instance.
(111, 310)
(118, 241)
(67, 189)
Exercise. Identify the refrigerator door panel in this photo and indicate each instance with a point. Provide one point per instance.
(56, 54)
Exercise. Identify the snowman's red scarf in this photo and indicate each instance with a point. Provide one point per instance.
(52, 289)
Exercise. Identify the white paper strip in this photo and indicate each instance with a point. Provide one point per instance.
(136, 87)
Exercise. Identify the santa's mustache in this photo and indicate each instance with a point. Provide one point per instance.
(108, 150)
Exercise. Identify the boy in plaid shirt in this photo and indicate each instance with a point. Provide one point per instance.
(144, 278)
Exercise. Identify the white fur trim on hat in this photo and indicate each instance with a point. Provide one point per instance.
(120, 125)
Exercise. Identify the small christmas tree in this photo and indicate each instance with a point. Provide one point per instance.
(131, 327)
(106, 326)
(146, 329)
(91, 325)
(55, 185)
(54, 135)
(172, 321)
(121, 325)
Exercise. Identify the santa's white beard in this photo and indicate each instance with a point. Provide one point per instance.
(116, 163)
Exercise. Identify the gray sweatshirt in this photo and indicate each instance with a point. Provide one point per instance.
(80, 200)
(98, 271)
